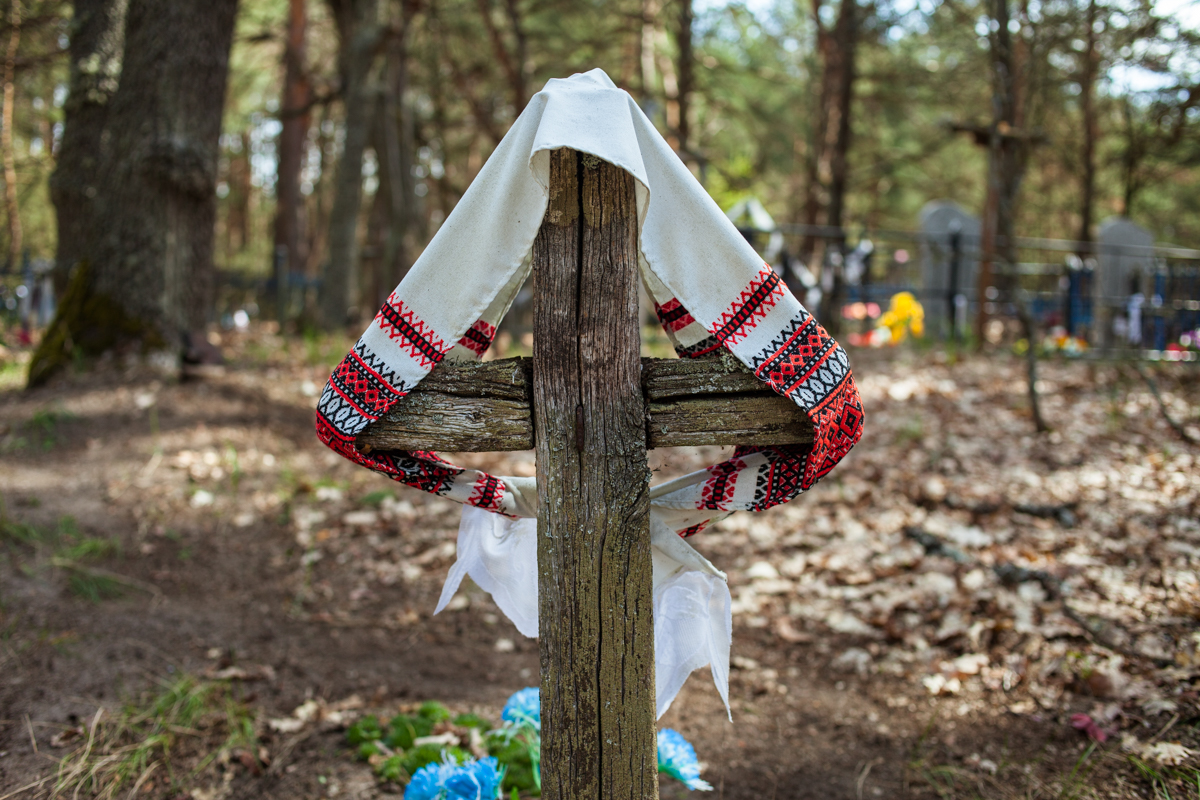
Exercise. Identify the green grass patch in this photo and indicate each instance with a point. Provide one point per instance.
(12, 373)
(68, 550)
(1167, 782)
(40, 431)
(162, 740)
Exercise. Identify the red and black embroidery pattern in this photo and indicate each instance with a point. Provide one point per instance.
(700, 348)
(361, 390)
(479, 338)
(759, 296)
(410, 332)
(794, 356)
(673, 316)
(781, 478)
(487, 493)
(718, 489)
(803, 363)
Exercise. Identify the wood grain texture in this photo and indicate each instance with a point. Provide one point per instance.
(616, 480)
(664, 378)
(460, 424)
(568, 629)
(594, 581)
(509, 378)
(762, 418)
(472, 407)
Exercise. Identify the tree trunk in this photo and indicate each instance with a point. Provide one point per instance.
(295, 119)
(1087, 90)
(1131, 158)
(237, 203)
(826, 165)
(835, 156)
(687, 79)
(647, 31)
(6, 139)
(97, 39)
(359, 31)
(397, 162)
(839, 130)
(996, 241)
(511, 64)
(594, 571)
(149, 277)
(384, 255)
(1008, 147)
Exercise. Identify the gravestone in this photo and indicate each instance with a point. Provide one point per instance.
(949, 263)
(1124, 264)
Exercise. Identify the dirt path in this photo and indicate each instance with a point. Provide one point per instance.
(156, 532)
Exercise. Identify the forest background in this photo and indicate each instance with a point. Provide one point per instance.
(965, 608)
(351, 127)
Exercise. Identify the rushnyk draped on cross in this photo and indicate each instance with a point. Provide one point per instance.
(585, 192)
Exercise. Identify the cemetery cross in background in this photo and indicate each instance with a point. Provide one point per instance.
(591, 407)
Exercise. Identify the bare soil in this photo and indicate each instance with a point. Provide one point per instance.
(157, 529)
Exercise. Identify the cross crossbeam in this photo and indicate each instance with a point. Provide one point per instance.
(488, 407)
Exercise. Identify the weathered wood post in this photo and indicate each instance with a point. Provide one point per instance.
(594, 570)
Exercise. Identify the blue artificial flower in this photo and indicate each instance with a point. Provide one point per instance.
(677, 758)
(476, 780)
(430, 781)
(524, 708)
(472, 780)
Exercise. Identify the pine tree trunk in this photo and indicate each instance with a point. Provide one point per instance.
(394, 211)
(836, 151)
(295, 119)
(839, 132)
(1087, 106)
(149, 275)
(687, 79)
(6, 139)
(359, 31)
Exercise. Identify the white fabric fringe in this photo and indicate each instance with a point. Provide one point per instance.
(693, 622)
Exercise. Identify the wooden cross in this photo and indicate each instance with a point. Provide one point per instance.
(591, 407)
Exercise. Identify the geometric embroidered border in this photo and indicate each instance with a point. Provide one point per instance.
(362, 389)
(672, 315)
(801, 362)
(409, 331)
(718, 489)
(487, 493)
(478, 338)
(760, 295)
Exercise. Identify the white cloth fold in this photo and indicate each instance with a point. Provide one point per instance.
(693, 622)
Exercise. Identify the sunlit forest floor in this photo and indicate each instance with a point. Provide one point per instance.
(196, 598)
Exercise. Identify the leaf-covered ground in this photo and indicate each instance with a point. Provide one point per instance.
(962, 609)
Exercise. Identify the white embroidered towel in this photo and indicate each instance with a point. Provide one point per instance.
(711, 291)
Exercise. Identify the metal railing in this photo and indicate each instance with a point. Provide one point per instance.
(1113, 297)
